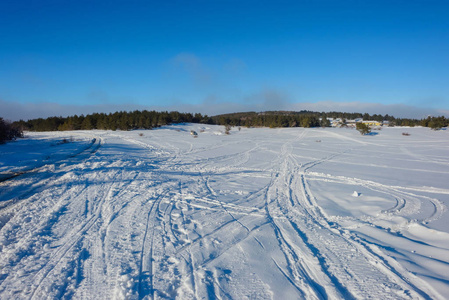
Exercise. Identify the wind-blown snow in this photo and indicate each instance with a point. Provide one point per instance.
(260, 214)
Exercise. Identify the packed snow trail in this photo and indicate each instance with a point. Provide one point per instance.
(260, 213)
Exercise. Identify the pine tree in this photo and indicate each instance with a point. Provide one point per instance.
(363, 128)
(87, 123)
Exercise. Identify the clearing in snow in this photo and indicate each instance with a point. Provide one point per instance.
(260, 213)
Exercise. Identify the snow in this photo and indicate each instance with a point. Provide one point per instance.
(260, 213)
(355, 194)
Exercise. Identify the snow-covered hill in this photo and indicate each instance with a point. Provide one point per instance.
(261, 213)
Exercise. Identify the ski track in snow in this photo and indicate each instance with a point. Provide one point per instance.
(260, 214)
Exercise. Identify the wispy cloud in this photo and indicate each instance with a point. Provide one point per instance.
(235, 66)
(191, 65)
(199, 76)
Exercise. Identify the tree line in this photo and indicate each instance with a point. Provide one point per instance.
(315, 119)
(272, 119)
(113, 121)
(151, 119)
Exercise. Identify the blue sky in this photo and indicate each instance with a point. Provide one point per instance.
(61, 57)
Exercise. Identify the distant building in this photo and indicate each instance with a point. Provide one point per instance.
(351, 123)
(335, 122)
(372, 123)
(338, 122)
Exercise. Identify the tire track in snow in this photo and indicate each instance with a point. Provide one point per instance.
(39, 180)
(224, 226)
(146, 276)
(41, 230)
(407, 200)
(74, 240)
(40, 234)
(362, 277)
(309, 225)
(100, 266)
(196, 264)
(190, 260)
(211, 198)
(102, 214)
(92, 148)
(302, 265)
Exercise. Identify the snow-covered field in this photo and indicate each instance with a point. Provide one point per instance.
(261, 213)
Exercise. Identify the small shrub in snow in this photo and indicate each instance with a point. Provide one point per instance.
(363, 128)
(66, 140)
(228, 129)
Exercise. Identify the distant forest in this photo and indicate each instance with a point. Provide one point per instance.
(114, 121)
(152, 119)
(306, 119)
